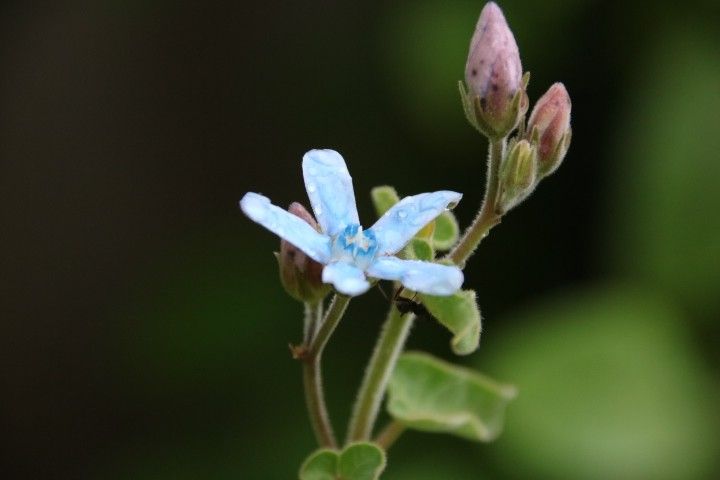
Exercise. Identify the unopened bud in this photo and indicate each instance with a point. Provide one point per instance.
(494, 77)
(549, 128)
(518, 175)
(301, 275)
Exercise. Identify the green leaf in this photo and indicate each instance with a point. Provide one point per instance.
(383, 198)
(419, 249)
(321, 465)
(361, 461)
(358, 461)
(446, 232)
(431, 395)
(460, 314)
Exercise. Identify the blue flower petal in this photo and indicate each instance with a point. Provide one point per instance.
(423, 277)
(286, 225)
(346, 278)
(329, 187)
(399, 224)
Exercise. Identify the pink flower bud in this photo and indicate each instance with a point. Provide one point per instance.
(493, 71)
(549, 127)
(301, 275)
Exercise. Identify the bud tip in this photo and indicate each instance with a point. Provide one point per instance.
(549, 127)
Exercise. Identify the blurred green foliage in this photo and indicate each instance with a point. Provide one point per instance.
(662, 223)
(424, 49)
(609, 387)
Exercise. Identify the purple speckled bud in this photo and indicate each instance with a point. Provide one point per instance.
(301, 275)
(549, 127)
(493, 72)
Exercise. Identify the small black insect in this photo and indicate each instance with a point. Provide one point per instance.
(407, 305)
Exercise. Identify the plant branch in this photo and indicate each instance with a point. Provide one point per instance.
(312, 321)
(312, 376)
(488, 216)
(387, 350)
(389, 434)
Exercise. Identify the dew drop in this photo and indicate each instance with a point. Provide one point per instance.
(318, 210)
(401, 214)
(311, 188)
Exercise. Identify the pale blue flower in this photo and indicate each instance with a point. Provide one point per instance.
(349, 253)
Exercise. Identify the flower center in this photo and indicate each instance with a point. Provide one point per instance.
(355, 245)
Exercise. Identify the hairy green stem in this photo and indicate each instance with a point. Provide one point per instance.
(387, 350)
(337, 308)
(312, 321)
(389, 434)
(488, 216)
(312, 376)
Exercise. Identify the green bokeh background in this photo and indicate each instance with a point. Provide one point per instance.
(144, 333)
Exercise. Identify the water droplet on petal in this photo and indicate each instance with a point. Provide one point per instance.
(318, 211)
(311, 188)
(401, 214)
(418, 221)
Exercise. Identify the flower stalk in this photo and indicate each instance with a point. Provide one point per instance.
(488, 216)
(382, 363)
(312, 374)
(389, 434)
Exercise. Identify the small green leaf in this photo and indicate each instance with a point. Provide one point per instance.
(431, 395)
(446, 232)
(460, 314)
(383, 198)
(358, 461)
(321, 465)
(361, 461)
(419, 249)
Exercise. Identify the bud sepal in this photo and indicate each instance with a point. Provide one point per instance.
(479, 117)
(300, 275)
(518, 175)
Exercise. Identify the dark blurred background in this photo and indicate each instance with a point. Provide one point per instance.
(143, 332)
